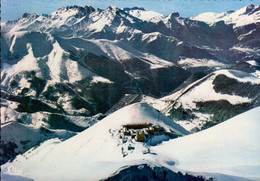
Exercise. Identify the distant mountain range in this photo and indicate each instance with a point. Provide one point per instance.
(65, 72)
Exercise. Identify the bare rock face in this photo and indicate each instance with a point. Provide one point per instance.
(146, 172)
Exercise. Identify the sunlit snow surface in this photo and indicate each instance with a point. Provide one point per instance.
(239, 18)
(192, 62)
(229, 148)
(202, 91)
(147, 15)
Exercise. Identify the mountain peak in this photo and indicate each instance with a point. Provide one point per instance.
(250, 7)
(85, 10)
(28, 15)
(25, 15)
(134, 8)
(89, 9)
(244, 16)
(113, 8)
(174, 15)
(66, 8)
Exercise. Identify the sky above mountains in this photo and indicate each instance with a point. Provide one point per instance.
(13, 9)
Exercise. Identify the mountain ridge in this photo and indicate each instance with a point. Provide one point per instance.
(105, 134)
(62, 73)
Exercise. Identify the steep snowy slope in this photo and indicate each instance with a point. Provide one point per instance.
(115, 50)
(246, 23)
(48, 76)
(206, 100)
(99, 149)
(56, 81)
(22, 130)
(17, 138)
(148, 32)
(198, 30)
(133, 26)
(75, 20)
(250, 66)
(244, 16)
(60, 70)
(229, 148)
(76, 64)
(144, 15)
(210, 100)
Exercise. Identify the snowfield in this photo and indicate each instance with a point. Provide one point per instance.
(97, 148)
(205, 92)
(244, 16)
(192, 62)
(229, 148)
(147, 15)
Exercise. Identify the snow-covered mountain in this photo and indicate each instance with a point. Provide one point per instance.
(221, 152)
(213, 99)
(245, 22)
(142, 14)
(250, 66)
(165, 38)
(244, 16)
(229, 148)
(17, 138)
(64, 72)
(103, 142)
(200, 103)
